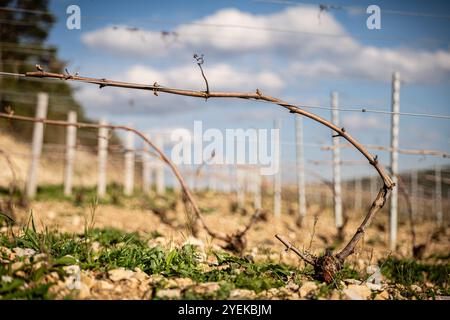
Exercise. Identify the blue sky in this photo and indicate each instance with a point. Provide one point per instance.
(292, 53)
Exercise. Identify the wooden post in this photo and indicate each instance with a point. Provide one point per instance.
(300, 166)
(160, 181)
(438, 193)
(38, 137)
(102, 159)
(71, 139)
(277, 179)
(129, 164)
(394, 158)
(337, 198)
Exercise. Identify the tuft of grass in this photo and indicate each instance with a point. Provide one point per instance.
(175, 263)
(247, 275)
(407, 273)
(112, 236)
(130, 250)
(83, 196)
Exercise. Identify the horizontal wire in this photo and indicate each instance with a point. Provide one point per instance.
(365, 110)
(12, 74)
(269, 29)
(327, 6)
(25, 10)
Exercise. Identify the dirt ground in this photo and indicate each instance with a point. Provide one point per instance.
(66, 217)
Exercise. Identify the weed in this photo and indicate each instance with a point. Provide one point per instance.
(129, 250)
(410, 272)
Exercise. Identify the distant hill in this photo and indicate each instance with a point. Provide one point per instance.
(24, 28)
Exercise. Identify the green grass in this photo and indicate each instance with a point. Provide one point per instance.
(409, 272)
(129, 250)
(247, 275)
(81, 195)
(101, 250)
(111, 236)
(84, 196)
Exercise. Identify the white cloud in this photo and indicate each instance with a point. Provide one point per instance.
(220, 77)
(336, 54)
(315, 68)
(379, 63)
(357, 122)
(124, 40)
(229, 30)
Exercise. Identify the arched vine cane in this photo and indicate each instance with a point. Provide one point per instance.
(325, 266)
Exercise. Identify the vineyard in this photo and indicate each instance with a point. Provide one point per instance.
(110, 244)
(98, 208)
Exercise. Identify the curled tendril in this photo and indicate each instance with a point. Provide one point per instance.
(199, 58)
